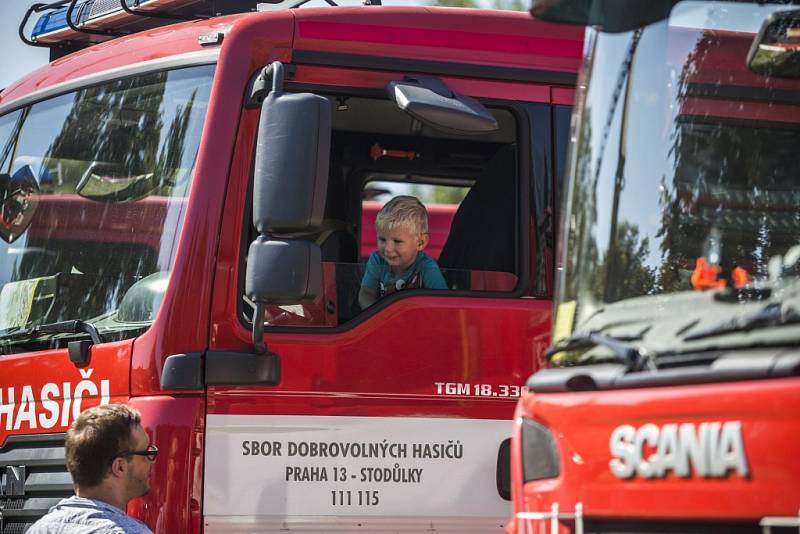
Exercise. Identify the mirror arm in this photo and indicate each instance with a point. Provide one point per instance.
(275, 71)
(258, 329)
(259, 87)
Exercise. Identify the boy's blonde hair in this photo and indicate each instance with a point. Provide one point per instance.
(403, 210)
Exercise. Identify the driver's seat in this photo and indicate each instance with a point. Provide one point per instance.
(483, 233)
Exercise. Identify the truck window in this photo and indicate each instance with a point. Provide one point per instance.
(469, 184)
(96, 182)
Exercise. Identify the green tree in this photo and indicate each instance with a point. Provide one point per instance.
(449, 195)
(631, 276)
(454, 3)
(509, 5)
(439, 194)
(117, 123)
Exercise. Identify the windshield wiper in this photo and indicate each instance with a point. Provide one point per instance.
(633, 357)
(773, 314)
(61, 327)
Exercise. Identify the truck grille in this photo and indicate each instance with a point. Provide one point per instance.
(33, 477)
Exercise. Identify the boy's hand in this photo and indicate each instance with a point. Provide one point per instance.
(367, 297)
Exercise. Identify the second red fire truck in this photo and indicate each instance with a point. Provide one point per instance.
(672, 402)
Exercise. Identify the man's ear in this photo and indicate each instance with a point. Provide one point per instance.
(119, 466)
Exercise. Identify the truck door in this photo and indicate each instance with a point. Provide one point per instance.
(391, 416)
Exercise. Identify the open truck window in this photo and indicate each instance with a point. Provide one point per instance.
(470, 185)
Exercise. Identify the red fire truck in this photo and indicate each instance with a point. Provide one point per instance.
(164, 188)
(672, 401)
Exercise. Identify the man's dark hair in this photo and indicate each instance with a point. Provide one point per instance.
(96, 437)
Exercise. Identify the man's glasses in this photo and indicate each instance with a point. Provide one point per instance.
(150, 453)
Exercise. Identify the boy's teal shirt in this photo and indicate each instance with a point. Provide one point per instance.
(423, 273)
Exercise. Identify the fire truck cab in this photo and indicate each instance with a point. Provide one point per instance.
(672, 398)
(186, 214)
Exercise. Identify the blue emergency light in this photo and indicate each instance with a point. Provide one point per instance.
(97, 20)
(50, 22)
(86, 14)
(64, 26)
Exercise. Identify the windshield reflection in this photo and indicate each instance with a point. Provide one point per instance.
(684, 160)
(94, 187)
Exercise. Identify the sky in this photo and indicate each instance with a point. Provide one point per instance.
(16, 58)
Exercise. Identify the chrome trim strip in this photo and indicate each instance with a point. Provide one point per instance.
(190, 59)
(786, 522)
(533, 522)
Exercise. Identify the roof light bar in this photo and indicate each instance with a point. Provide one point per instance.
(98, 20)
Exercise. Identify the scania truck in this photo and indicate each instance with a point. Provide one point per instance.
(186, 209)
(672, 400)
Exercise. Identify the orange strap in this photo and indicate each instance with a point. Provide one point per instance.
(706, 276)
(740, 277)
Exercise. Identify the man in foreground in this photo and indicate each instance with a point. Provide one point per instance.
(109, 456)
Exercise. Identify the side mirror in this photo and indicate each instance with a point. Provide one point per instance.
(611, 16)
(283, 271)
(292, 158)
(776, 49)
(104, 182)
(280, 272)
(562, 11)
(431, 102)
(19, 198)
(291, 182)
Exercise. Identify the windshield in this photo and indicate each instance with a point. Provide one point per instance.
(683, 185)
(94, 185)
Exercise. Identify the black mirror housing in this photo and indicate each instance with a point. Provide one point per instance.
(611, 16)
(430, 101)
(291, 163)
(283, 272)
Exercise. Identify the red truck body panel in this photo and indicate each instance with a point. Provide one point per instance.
(766, 411)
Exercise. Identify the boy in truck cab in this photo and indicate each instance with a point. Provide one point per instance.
(400, 263)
